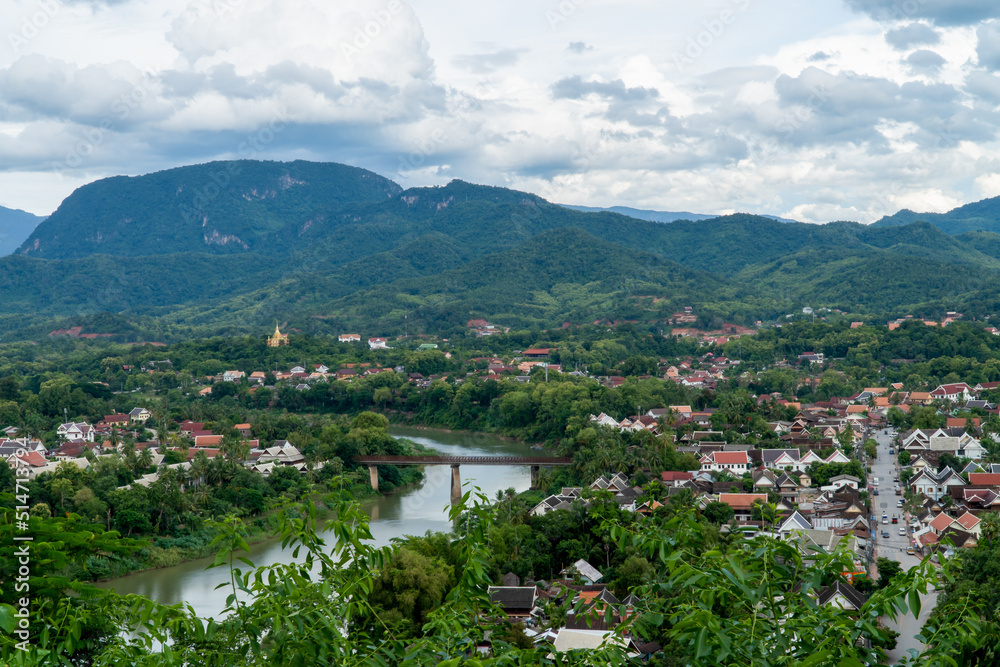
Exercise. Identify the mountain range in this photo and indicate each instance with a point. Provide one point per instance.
(15, 226)
(232, 247)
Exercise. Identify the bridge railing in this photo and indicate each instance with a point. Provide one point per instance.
(468, 460)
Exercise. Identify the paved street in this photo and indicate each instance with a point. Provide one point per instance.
(886, 469)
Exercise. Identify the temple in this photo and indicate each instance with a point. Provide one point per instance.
(278, 338)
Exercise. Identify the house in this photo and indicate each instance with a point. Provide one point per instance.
(244, 430)
(604, 420)
(349, 338)
(794, 523)
(811, 357)
(734, 462)
(841, 594)
(377, 344)
(140, 415)
(76, 431)
(584, 570)
(841, 481)
(207, 440)
(956, 392)
(113, 421)
(258, 377)
(189, 427)
(673, 478)
(233, 376)
(283, 453)
(935, 484)
(515, 601)
(742, 503)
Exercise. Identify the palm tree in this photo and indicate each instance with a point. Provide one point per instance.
(145, 459)
(199, 467)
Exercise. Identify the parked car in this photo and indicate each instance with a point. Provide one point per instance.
(902, 531)
(875, 492)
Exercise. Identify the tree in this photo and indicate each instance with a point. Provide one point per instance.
(718, 513)
(888, 570)
(408, 588)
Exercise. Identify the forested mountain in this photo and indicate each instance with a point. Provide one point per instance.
(15, 226)
(218, 208)
(326, 246)
(980, 215)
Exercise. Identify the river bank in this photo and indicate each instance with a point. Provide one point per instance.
(412, 511)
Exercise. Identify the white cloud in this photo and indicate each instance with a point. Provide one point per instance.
(803, 110)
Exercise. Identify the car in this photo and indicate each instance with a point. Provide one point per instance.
(892, 451)
(875, 492)
(885, 519)
(899, 503)
(909, 550)
(902, 531)
(899, 493)
(895, 519)
(885, 534)
(875, 481)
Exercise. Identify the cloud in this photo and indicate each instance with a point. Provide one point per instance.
(912, 34)
(487, 63)
(575, 88)
(983, 85)
(941, 12)
(923, 60)
(819, 56)
(579, 47)
(988, 45)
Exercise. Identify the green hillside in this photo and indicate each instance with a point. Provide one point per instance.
(218, 208)
(980, 215)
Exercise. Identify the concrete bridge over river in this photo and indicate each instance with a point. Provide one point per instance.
(535, 462)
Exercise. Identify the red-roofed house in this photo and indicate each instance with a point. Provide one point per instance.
(734, 462)
(673, 477)
(958, 391)
(207, 440)
(742, 503)
(984, 479)
(941, 523)
(970, 523)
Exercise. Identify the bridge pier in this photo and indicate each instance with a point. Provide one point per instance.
(456, 484)
(373, 476)
(534, 476)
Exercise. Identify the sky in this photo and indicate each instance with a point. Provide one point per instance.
(814, 110)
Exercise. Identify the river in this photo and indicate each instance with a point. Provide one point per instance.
(413, 511)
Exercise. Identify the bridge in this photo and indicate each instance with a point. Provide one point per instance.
(535, 462)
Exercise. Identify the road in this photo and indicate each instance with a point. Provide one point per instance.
(885, 467)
